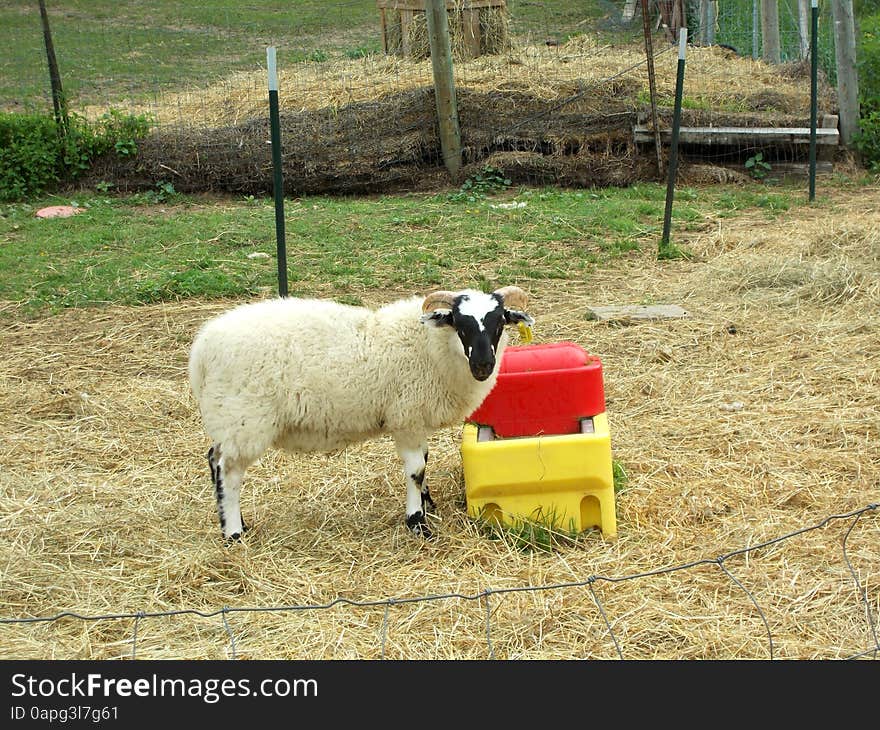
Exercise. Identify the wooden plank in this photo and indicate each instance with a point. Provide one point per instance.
(629, 312)
(470, 29)
(629, 11)
(800, 169)
(406, 17)
(739, 135)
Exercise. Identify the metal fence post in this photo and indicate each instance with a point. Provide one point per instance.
(278, 178)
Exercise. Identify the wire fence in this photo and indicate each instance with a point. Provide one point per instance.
(132, 58)
(564, 81)
(860, 595)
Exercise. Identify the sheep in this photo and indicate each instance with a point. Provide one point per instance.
(309, 375)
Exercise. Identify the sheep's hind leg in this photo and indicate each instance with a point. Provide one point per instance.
(227, 488)
(417, 495)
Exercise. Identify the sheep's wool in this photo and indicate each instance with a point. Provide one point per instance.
(316, 375)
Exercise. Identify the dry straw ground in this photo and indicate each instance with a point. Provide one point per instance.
(106, 504)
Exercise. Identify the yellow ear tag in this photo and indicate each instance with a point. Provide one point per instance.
(525, 332)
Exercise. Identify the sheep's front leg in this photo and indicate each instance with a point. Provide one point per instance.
(426, 493)
(227, 477)
(418, 498)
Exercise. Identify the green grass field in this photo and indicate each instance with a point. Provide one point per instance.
(147, 248)
(116, 49)
(164, 246)
(112, 50)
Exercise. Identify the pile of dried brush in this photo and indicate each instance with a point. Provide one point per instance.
(544, 115)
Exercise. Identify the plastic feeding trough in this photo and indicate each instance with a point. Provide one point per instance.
(543, 389)
(539, 448)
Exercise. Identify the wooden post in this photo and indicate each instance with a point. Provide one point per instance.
(677, 21)
(770, 30)
(756, 40)
(444, 85)
(847, 75)
(652, 85)
(384, 26)
(406, 17)
(665, 18)
(804, 27)
(704, 22)
(711, 17)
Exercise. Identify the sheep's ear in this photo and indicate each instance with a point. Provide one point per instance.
(437, 308)
(515, 301)
(514, 316)
(437, 318)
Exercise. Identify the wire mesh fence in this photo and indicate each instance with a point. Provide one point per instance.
(555, 78)
(128, 53)
(858, 598)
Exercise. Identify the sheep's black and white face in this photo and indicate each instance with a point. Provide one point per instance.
(478, 319)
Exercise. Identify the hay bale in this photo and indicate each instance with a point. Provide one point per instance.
(406, 31)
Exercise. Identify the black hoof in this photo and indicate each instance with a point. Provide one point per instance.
(236, 536)
(416, 522)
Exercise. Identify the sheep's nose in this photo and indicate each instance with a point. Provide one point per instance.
(482, 370)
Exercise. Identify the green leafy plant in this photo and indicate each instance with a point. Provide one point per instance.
(487, 181)
(671, 252)
(757, 166)
(867, 139)
(360, 52)
(35, 157)
(29, 155)
(163, 192)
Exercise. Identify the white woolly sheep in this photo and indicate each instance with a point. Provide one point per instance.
(317, 375)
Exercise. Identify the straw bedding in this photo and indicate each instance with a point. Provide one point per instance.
(106, 504)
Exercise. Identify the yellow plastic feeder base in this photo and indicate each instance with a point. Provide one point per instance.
(565, 479)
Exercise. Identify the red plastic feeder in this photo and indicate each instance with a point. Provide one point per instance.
(543, 389)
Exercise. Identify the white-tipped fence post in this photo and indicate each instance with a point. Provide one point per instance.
(814, 91)
(673, 145)
(278, 177)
